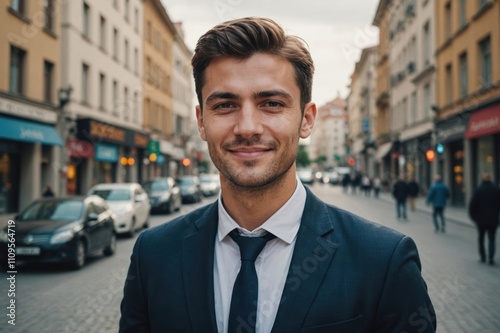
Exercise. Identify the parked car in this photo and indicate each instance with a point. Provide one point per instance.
(164, 194)
(190, 188)
(306, 176)
(130, 203)
(331, 177)
(210, 184)
(61, 230)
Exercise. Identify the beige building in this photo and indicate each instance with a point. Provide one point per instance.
(468, 93)
(30, 38)
(362, 111)
(329, 134)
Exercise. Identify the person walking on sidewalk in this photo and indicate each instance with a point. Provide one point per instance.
(437, 196)
(377, 184)
(413, 190)
(400, 193)
(484, 210)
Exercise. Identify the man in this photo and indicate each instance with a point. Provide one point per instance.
(400, 193)
(484, 210)
(413, 190)
(48, 193)
(437, 196)
(322, 268)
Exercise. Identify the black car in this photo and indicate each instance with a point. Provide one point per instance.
(190, 188)
(60, 230)
(164, 194)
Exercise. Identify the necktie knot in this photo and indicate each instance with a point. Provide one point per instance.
(250, 247)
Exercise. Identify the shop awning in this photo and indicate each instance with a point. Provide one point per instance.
(484, 122)
(28, 131)
(383, 150)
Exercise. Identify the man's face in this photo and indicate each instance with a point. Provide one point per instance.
(251, 118)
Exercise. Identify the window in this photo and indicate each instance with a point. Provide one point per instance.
(48, 81)
(463, 13)
(136, 20)
(86, 20)
(18, 6)
(136, 107)
(483, 3)
(126, 58)
(102, 91)
(17, 68)
(427, 100)
(127, 10)
(413, 115)
(136, 61)
(125, 103)
(102, 33)
(49, 14)
(463, 74)
(85, 83)
(426, 41)
(115, 96)
(485, 61)
(449, 83)
(115, 44)
(148, 70)
(405, 112)
(148, 31)
(447, 18)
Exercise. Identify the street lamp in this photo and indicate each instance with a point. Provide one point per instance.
(64, 95)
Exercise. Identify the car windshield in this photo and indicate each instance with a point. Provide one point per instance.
(209, 178)
(159, 185)
(187, 181)
(113, 194)
(62, 210)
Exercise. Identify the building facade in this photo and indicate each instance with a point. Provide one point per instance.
(101, 61)
(29, 80)
(468, 94)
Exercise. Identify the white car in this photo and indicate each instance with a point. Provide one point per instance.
(129, 202)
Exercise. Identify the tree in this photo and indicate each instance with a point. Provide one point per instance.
(302, 157)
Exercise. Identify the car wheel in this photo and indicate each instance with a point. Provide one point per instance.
(80, 255)
(131, 232)
(111, 248)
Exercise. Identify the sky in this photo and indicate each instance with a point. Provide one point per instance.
(335, 30)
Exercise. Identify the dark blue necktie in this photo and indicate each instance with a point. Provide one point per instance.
(243, 311)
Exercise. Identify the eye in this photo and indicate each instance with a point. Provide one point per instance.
(273, 104)
(225, 105)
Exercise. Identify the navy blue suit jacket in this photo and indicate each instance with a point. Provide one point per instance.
(347, 275)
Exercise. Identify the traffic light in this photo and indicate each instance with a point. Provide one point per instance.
(439, 148)
(352, 161)
(186, 162)
(430, 155)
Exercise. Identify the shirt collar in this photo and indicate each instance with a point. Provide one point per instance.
(284, 224)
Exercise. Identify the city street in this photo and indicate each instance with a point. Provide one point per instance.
(465, 293)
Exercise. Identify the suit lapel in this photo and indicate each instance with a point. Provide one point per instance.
(197, 268)
(311, 258)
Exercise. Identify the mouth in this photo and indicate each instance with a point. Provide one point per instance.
(249, 152)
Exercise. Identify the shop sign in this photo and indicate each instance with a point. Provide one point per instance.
(106, 153)
(106, 132)
(80, 148)
(27, 111)
(452, 129)
(97, 132)
(484, 122)
(154, 147)
(140, 140)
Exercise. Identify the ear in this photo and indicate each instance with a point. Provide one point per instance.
(199, 119)
(308, 120)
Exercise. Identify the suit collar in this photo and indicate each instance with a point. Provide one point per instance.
(312, 256)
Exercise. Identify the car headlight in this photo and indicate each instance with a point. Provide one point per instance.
(4, 236)
(61, 237)
(165, 196)
(190, 190)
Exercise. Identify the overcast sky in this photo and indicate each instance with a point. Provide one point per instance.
(335, 30)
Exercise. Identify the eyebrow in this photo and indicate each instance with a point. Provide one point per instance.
(221, 95)
(260, 94)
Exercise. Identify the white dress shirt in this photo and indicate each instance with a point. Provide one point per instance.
(271, 265)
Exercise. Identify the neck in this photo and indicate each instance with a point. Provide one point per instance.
(251, 207)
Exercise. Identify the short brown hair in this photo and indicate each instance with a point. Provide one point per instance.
(242, 38)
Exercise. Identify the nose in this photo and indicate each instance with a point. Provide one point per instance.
(249, 121)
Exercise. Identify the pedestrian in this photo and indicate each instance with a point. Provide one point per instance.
(437, 196)
(484, 210)
(321, 268)
(48, 193)
(377, 184)
(400, 193)
(346, 180)
(356, 181)
(365, 181)
(413, 191)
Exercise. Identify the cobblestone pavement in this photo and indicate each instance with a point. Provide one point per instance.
(465, 293)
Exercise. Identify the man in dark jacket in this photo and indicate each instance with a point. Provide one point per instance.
(437, 196)
(413, 190)
(400, 193)
(484, 210)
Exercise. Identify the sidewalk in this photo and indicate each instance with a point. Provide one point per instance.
(451, 213)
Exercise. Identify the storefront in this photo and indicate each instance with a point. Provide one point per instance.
(27, 159)
(117, 153)
(483, 130)
(451, 163)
